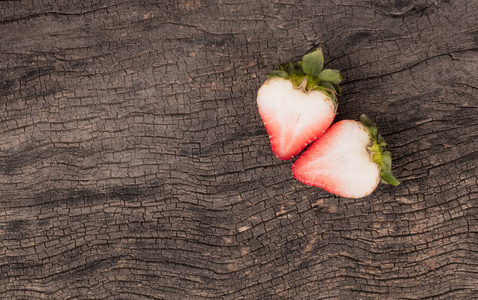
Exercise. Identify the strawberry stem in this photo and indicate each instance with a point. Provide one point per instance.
(380, 154)
(303, 84)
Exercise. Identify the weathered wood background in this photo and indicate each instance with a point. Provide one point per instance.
(134, 163)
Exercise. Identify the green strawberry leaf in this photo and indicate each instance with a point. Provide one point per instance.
(287, 67)
(332, 76)
(313, 63)
(381, 141)
(370, 126)
(375, 148)
(387, 177)
(298, 69)
(387, 160)
(328, 86)
(278, 74)
(338, 89)
(381, 156)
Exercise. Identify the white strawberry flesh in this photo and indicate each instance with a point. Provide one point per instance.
(339, 161)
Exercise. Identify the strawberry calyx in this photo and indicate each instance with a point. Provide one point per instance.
(379, 153)
(308, 74)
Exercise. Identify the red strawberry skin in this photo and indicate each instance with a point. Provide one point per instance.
(339, 162)
(287, 142)
(293, 119)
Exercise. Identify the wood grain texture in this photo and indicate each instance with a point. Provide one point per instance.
(134, 163)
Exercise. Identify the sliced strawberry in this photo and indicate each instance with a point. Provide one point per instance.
(292, 118)
(298, 103)
(348, 160)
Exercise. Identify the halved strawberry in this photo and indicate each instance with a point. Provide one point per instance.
(298, 103)
(348, 160)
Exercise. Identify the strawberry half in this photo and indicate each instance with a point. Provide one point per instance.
(298, 103)
(348, 160)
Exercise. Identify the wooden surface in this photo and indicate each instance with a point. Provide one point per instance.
(134, 163)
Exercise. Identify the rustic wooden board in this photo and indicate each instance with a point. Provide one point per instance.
(134, 163)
